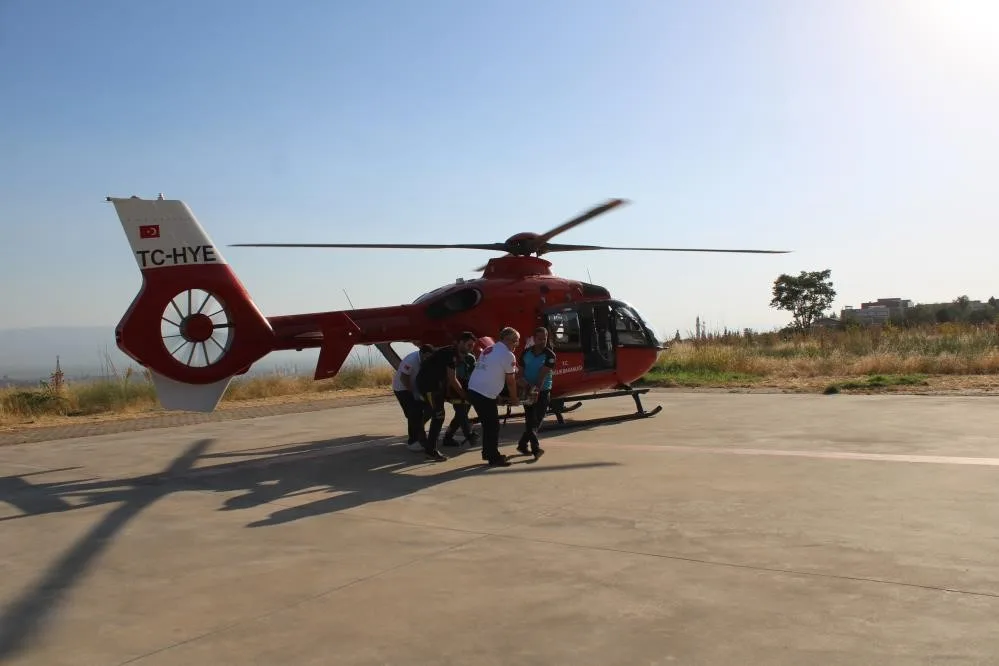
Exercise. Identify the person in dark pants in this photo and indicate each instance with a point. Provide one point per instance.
(438, 374)
(404, 387)
(461, 407)
(538, 362)
(496, 369)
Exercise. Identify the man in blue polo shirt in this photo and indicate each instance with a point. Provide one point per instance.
(538, 362)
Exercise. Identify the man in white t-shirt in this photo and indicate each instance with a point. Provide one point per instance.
(496, 369)
(413, 407)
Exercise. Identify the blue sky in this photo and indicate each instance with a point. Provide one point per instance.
(861, 134)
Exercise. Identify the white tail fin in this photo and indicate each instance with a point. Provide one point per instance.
(164, 233)
(192, 324)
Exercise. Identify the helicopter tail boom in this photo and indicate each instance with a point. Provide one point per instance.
(192, 323)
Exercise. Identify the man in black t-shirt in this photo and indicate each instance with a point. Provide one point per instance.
(436, 375)
(461, 406)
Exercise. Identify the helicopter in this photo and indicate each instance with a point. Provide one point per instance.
(194, 326)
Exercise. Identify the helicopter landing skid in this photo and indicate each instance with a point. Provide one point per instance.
(558, 408)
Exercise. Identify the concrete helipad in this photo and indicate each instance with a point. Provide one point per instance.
(729, 529)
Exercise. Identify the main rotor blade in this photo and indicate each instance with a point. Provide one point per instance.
(588, 215)
(496, 247)
(561, 247)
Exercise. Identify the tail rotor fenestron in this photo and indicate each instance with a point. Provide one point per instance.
(196, 328)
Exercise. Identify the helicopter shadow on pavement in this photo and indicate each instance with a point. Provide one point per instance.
(369, 474)
(362, 468)
(24, 618)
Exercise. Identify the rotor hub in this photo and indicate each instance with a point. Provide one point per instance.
(522, 244)
(197, 327)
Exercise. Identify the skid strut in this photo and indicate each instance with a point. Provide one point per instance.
(559, 407)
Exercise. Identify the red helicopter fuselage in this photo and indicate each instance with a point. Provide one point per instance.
(600, 342)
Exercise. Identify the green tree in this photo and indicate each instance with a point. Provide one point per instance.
(806, 296)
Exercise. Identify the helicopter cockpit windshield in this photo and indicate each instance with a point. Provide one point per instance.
(632, 328)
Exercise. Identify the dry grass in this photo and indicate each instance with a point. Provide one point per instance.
(133, 393)
(947, 357)
(946, 349)
(898, 354)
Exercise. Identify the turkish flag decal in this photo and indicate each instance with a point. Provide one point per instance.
(149, 231)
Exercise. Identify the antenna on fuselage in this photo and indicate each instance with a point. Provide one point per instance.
(354, 351)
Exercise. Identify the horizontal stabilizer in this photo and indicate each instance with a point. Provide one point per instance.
(340, 334)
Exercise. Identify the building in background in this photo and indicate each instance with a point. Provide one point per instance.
(880, 311)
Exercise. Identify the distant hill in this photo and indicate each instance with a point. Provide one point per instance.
(29, 354)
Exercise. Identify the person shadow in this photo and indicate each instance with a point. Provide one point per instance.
(351, 478)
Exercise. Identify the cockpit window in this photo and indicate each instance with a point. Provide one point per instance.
(431, 294)
(632, 328)
(629, 331)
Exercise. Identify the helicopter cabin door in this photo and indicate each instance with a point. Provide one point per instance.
(585, 329)
(597, 337)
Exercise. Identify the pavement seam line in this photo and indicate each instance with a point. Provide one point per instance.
(16, 436)
(305, 600)
(751, 567)
(681, 558)
(669, 556)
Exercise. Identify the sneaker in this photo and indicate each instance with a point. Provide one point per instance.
(414, 446)
(522, 448)
(436, 456)
(538, 453)
(499, 461)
